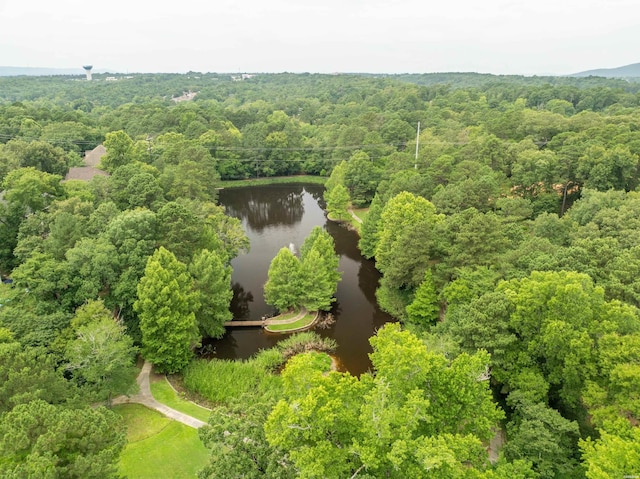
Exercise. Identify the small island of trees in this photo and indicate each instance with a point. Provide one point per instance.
(306, 283)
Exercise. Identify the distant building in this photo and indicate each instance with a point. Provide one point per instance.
(91, 161)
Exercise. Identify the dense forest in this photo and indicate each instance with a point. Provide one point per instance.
(508, 239)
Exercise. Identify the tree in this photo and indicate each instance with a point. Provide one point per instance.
(30, 190)
(338, 202)
(424, 309)
(28, 374)
(101, 357)
(401, 213)
(361, 178)
(410, 419)
(165, 306)
(179, 230)
(283, 289)
(212, 284)
(239, 448)
(611, 456)
(319, 270)
(541, 435)
(41, 440)
(370, 229)
(119, 147)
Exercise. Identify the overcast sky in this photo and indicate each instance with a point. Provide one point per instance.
(492, 36)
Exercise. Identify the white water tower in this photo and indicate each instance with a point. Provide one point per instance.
(87, 68)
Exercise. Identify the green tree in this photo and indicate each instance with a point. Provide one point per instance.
(611, 456)
(370, 229)
(212, 284)
(541, 435)
(166, 307)
(319, 270)
(101, 357)
(409, 420)
(424, 309)
(361, 177)
(28, 374)
(338, 202)
(283, 288)
(401, 213)
(41, 440)
(119, 147)
(239, 448)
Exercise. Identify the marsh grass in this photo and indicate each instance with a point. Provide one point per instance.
(223, 381)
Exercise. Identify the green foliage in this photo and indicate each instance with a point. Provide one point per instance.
(399, 217)
(311, 281)
(283, 289)
(369, 231)
(612, 456)
(28, 374)
(319, 270)
(541, 435)
(336, 425)
(239, 448)
(212, 284)
(424, 309)
(361, 177)
(338, 202)
(165, 306)
(101, 357)
(119, 147)
(36, 437)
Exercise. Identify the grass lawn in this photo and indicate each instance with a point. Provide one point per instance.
(319, 180)
(361, 212)
(306, 320)
(164, 393)
(159, 447)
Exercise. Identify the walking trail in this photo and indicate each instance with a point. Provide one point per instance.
(355, 216)
(145, 398)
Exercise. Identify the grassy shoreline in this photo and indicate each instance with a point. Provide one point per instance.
(275, 180)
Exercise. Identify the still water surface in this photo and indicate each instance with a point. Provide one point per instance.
(276, 216)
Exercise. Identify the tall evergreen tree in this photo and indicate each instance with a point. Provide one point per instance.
(283, 289)
(424, 308)
(165, 307)
(212, 284)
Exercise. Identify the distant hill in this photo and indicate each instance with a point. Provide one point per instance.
(626, 71)
(38, 71)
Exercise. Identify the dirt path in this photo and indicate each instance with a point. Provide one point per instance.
(355, 216)
(145, 398)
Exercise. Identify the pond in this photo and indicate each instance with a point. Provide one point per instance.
(276, 216)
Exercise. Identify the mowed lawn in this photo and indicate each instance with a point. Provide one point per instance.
(158, 446)
(164, 393)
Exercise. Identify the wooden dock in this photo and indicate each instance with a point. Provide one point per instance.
(237, 324)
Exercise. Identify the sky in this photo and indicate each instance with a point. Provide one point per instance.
(534, 37)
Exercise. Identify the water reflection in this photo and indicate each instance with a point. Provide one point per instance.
(266, 206)
(240, 301)
(269, 228)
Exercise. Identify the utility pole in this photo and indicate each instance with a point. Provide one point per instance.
(415, 165)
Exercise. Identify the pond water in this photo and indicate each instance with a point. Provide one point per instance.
(280, 215)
